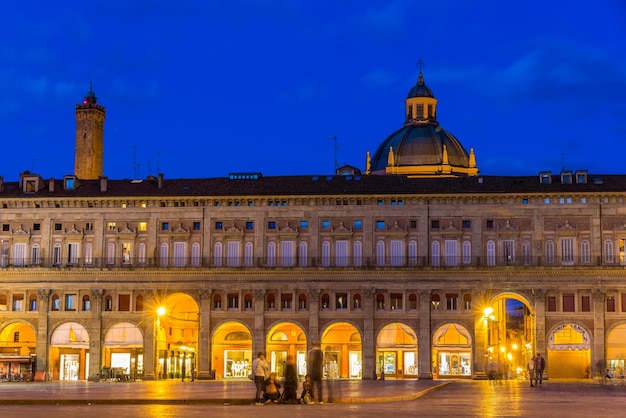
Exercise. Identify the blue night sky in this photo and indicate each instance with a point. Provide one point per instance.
(201, 88)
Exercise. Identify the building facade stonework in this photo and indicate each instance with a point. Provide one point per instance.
(412, 270)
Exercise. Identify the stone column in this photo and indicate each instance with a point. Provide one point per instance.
(314, 316)
(203, 355)
(424, 339)
(95, 332)
(258, 336)
(150, 354)
(41, 350)
(598, 349)
(369, 342)
(540, 323)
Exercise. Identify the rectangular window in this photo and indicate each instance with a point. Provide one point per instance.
(16, 337)
(585, 304)
(58, 227)
(233, 301)
(467, 224)
(341, 301)
(249, 226)
(218, 226)
(396, 301)
(551, 303)
(434, 224)
(165, 226)
(196, 226)
(18, 303)
(88, 226)
(452, 301)
(285, 301)
(5, 227)
(358, 225)
(143, 226)
(124, 303)
(111, 226)
(567, 251)
(304, 224)
(70, 302)
(380, 224)
(36, 227)
(271, 225)
(610, 303)
(568, 302)
(489, 224)
(451, 252)
(341, 253)
(325, 224)
(413, 224)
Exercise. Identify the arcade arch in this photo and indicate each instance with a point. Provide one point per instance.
(123, 349)
(616, 350)
(452, 351)
(286, 339)
(177, 336)
(232, 350)
(396, 350)
(569, 351)
(69, 352)
(18, 342)
(342, 345)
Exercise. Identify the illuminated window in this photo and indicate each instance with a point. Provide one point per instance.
(143, 226)
(111, 226)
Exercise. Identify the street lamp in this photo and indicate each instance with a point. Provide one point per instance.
(157, 369)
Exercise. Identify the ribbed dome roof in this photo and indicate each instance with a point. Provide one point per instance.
(422, 147)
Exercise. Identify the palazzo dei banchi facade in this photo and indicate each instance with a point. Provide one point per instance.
(416, 267)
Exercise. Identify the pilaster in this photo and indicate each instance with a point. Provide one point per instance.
(424, 340)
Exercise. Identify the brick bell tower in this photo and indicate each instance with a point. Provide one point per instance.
(89, 148)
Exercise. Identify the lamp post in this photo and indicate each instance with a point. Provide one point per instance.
(488, 318)
(157, 366)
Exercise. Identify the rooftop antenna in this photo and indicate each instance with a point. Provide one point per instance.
(562, 161)
(335, 146)
(136, 165)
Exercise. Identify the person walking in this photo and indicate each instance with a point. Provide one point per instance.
(260, 368)
(315, 366)
(291, 382)
(531, 371)
(540, 365)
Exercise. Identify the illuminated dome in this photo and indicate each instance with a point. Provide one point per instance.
(421, 148)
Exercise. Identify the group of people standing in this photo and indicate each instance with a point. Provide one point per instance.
(268, 387)
(535, 367)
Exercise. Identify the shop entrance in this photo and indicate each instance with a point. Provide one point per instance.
(341, 344)
(396, 351)
(452, 352)
(232, 350)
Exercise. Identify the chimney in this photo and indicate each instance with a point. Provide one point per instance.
(51, 185)
(1, 183)
(103, 183)
(160, 181)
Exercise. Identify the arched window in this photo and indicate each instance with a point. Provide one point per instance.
(549, 252)
(248, 254)
(358, 254)
(55, 306)
(356, 302)
(467, 301)
(435, 261)
(164, 255)
(141, 254)
(271, 302)
(435, 301)
(585, 253)
(108, 303)
(217, 254)
(195, 254)
(491, 253)
(247, 300)
(467, 252)
(608, 252)
(56, 254)
(302, 302)
(325, 301)
(413, 252)
(526, 256)
(35, 254)
(86, 303)
(271, 254)
(325, 253)
(32, 302)
(217, 302)
(412, 301)
(110, 253)
(380, 253)
(88, 254)
(303, 256)
(380, 301)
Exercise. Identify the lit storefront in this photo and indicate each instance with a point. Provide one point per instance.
(341, 343)
(396, 351)
(69, 352)
(616, 350)
(452, 352)
(569, 352)
(123, 349)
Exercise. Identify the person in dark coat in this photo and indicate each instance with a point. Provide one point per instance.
(315, 366)
(291, 382)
